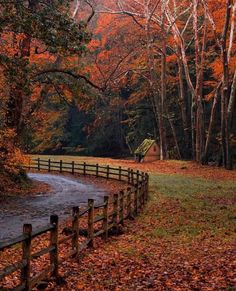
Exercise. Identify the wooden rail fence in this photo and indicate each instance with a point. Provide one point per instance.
(115, 210)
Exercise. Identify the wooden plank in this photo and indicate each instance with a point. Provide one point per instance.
(12, 242)
(99, 233)
(70, 254)
(42, 252)
(98, 218)
(42, 230)
(99, 206)
(82, 213)
(65, 239)
(84, 245)
(12, 268)
(42, 276)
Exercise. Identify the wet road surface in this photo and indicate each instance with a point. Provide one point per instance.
(66, 192)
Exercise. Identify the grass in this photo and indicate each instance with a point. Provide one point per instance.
(191, 207)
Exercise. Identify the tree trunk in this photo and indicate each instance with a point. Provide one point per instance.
(16, 96)
(225, 136)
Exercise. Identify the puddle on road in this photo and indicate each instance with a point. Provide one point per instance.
(66, 192)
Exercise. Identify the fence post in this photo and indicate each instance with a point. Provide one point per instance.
(132, 177)
(29, 165)
(115, 211)
(75, 228)
(122, 207)
(90, 222)
(73, 167)
(119, 173)
(108, 171)
(49, 165)
(54, 243)
(137, 176)
(128, 202)
(142, 194)
(84, 168)
(129, 172)
(136, 199)
(38, 164)
(26, 256)
(147, 186)
(96, 170)
(105, 215)
(60, 166)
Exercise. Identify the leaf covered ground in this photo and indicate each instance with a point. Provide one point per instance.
(184, 239)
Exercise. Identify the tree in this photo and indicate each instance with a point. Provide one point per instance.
(29, 30)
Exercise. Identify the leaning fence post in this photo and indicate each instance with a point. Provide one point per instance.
(54, 243)
(115, 211)
(26, 256)
(90, 222)
(105, 217)
(122, 207)
(108, 171)
(75, 228)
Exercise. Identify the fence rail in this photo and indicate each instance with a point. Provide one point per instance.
(115, 210)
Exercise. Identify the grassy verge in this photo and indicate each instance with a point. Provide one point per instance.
(190, 207)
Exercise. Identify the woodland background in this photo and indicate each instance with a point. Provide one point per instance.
(97, 77)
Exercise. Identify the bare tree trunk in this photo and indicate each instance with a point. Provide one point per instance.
(211, 123)
(163, 96)
(183, 107)
(158, 104)
(232, 101)
(225, 91)
(174, 136)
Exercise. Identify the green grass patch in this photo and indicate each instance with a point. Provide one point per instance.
(186, 207)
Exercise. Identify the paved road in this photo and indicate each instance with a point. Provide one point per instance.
(67, 192)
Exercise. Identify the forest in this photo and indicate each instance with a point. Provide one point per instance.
(97, 77)
(90, 92)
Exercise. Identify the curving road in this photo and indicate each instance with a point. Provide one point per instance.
(67, 192)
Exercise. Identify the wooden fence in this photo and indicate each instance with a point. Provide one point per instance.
(115, 210)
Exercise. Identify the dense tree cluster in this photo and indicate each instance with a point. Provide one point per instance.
(97, 77)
